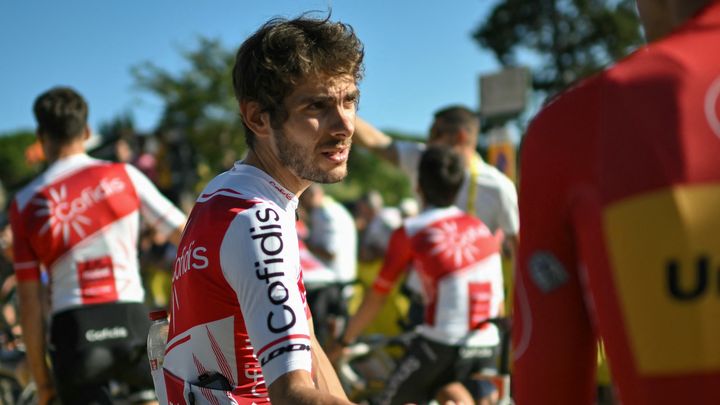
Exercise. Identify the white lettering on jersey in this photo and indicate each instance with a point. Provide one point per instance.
(191, 257)
(63, 214)
(117, 332)
(460, 246)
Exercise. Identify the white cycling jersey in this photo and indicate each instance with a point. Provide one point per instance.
(238, 302)
(80, 221)
(458, 261)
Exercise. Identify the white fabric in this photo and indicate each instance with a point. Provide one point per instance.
(89, 239)
(239, 301)
(332, 227)
(452, 289)
(377, 234)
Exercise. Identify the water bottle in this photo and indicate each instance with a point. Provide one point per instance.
(157, 337)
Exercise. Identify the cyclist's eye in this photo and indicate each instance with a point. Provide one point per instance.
(351, 100)
(316, 105)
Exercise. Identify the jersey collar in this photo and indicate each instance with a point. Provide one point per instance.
(268, 186)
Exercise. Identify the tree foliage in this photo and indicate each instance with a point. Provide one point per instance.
(568, 39)
(14, 169)
(200, 111)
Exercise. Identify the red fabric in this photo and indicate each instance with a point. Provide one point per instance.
(644, 130)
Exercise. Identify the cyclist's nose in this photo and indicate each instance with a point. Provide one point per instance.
(342, 121)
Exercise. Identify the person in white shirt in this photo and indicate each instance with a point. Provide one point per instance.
(333, 240)
(78, 224)
(486, 192)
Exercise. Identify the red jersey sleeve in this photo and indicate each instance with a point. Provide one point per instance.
(397, 257)
(25, 261)
(553, 342)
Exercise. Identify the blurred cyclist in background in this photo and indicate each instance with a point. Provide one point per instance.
(620, 193)
(458, 260)
(332, 239)
(486, 192)
(79, 222)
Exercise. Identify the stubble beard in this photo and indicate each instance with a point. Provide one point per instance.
(300, 161)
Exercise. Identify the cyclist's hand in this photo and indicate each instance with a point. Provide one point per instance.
(47, 395)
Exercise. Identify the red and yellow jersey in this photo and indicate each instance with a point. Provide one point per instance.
(620, 238)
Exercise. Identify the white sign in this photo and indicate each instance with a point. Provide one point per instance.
(505, 92)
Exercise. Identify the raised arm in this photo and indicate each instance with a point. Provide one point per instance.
(375, 140)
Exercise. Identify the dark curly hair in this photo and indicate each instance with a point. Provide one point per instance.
(283, 53)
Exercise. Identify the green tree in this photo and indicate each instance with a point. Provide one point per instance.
(200, 111)
(15, 172)
(120, 126)
(565, 40)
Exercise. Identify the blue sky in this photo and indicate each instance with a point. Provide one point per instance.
(419, 54)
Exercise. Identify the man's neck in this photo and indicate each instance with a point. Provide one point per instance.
(54, 154)
(269, 163)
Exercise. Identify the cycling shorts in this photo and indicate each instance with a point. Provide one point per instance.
(428, 366)
(94, 345)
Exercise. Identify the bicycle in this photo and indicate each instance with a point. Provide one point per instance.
(16, 386)
(366, 365)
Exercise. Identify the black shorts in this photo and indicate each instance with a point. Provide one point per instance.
(93, 345)
(428, 366)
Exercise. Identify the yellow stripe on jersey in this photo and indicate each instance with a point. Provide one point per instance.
(664, 248)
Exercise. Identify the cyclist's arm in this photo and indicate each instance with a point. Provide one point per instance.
(33, 327)
(372, 303)
(31, 301)
(375, 140)
(397, 258)
(325, 377)
(164, 217)
(553, 340)
(272, 303)
(297, 388)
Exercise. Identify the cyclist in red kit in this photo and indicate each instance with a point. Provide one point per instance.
(620, 189)
(79, 221)
(240, 328)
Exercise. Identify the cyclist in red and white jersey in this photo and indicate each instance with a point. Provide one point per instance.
(620, 190)
(240, 330)
(79, 222)
(458, 260)
(486, 192)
